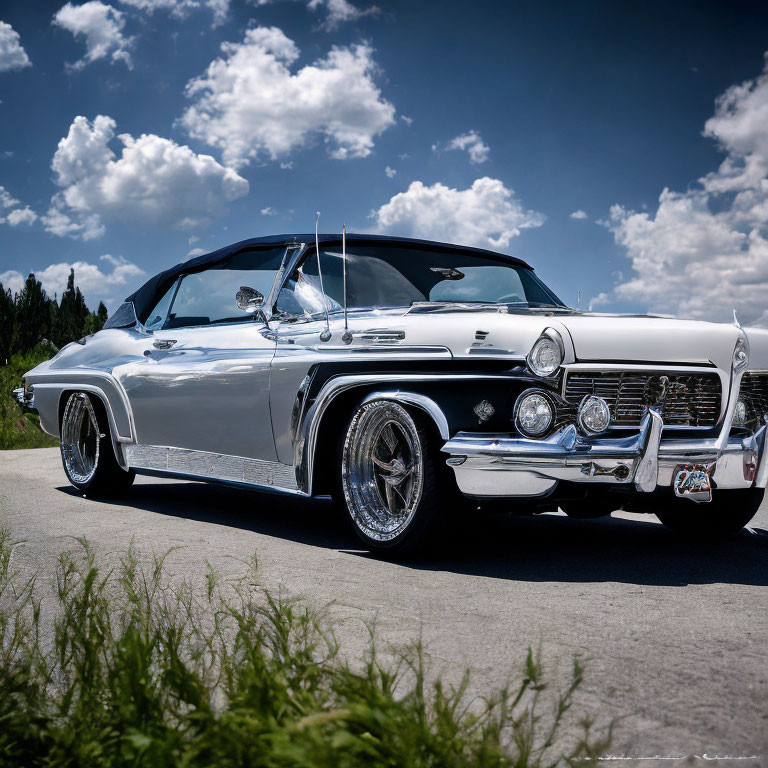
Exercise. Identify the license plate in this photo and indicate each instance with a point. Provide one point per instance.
(693, 481)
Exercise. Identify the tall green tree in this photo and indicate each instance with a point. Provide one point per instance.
(102, 315)
(7, 315)
(72, 314)
(32, 320)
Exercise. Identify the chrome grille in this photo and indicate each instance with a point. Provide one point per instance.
(754, 392)
(685, 400)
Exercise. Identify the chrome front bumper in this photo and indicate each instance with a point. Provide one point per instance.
(500, 465)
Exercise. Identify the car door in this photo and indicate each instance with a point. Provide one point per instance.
(204, 381)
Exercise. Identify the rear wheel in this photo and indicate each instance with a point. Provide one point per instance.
(727, 513)
(86, 448)
(389, 477)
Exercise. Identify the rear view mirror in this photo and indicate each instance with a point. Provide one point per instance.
(249, 299)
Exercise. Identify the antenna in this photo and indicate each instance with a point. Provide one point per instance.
(347, 337)
(326, 334)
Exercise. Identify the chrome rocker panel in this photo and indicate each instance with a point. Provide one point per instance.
(214, 467)
(500, 465)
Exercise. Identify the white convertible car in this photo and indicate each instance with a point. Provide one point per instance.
(403, 376)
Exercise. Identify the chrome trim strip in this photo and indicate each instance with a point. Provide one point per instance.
(211, 466)
(395, 352)
(423, 402)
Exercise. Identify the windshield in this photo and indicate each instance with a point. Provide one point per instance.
(389, 276)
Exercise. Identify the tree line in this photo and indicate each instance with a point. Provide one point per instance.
(30, 316)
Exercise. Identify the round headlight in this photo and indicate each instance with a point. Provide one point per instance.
(594, 414)
(740, 414)
(545, 357)
(533, 414)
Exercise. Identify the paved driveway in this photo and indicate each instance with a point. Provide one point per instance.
(675, 636)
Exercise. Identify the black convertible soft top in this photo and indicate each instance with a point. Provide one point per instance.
(151, 292)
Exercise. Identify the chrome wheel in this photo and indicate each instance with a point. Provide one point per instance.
(80, 439)
(382, 470)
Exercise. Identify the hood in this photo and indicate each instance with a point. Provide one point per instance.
(758, 348)
(651, 340)
(595, 337)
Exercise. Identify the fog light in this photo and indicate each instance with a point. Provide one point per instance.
(533, 414)
(594, 414)
(740, 414)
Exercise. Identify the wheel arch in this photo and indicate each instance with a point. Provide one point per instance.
(334, 421)
(106, 406)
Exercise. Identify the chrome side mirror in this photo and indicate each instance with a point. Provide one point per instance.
(249, 299)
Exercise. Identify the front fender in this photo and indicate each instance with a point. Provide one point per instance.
(50, 387)
(411, 388)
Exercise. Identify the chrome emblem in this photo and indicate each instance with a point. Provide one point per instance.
(484, 410)
(662, 389)
(692, 481)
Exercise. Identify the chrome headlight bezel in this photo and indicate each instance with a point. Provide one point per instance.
(741, 354)
(600, 401)
(547, 399)
(551, 339)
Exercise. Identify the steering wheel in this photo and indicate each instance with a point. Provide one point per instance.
(510, 298)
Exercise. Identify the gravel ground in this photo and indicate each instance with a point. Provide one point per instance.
(674, 635)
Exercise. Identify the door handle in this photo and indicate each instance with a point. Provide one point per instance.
(163, 343)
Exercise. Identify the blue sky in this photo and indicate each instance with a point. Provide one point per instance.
(486, 123)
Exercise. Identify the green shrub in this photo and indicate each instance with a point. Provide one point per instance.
(18, 429)
(134, 669)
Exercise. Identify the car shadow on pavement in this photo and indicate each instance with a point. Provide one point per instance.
(541, 548)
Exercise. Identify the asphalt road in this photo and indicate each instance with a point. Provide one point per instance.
(674, 635)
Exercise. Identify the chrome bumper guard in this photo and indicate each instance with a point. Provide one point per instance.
(27, 404)
(500, 465)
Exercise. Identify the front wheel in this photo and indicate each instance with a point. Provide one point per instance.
(389, 477)
(727, 513)
(86, 448)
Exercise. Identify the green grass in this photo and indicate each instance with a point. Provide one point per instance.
(130, 668)
(18, 429)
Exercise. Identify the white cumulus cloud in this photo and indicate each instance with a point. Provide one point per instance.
(704, 251)
(579, 214)
(12, 53)
(17, 215)
(102, 27)
(487, 214)
(153, 182)
(339, 11)
(109, 282)
(6, 199)
(390, 172)
(249, 104)
(21, 216)
(180, 8)
(470, 142)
